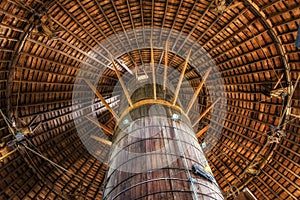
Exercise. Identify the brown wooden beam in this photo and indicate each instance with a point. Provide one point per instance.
(205, 112)
(181, 77)
(195, 96)
(166, 66)
(202, 131)
(102, 140)
(14, 16)
(107, 130)
(12, 28)
(97, 93)
(121, 82)
(153, 69)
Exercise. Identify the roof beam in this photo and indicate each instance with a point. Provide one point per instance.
(166, 66)
(12, 70)
(107, 130)
(64, 53)
(102, 140)
(181, 77)
(13, 16)
(121, 82)
(202, 131)
(191, 103)
(153, 69)
(123, 28)
(12, 28)
(97, 93)
(205, 112)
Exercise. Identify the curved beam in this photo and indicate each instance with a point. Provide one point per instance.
(12, 67)
(257, 10)
(269, 155)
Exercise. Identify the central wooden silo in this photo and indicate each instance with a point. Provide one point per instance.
(155, 153)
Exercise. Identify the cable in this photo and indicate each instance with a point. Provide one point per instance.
(60, 167)
(59, 192)
(266, 133)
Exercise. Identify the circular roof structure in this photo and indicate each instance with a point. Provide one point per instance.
(51, 50)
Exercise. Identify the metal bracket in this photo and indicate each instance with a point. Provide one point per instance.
(273, 139)
(276, 137)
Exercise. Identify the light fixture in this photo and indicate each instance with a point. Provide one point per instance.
(125, 122)
(175, 116)
(203, 145)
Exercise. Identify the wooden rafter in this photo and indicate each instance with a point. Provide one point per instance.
(244, 64)
(191, 103)
(102, 140)
(205, 112)
(202, 131)
(107, 130)
(186, 62)
(153, 69)
(121, 82)
(97, 93)
(166, 66)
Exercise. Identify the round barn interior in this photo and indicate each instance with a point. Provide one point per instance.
(50, 50)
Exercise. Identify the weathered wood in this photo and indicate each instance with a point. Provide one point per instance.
(153, 69)
(97, 93)
(195, 96)
(121, 82)
(100, 125)
(252, 45)
(181, 77)
(202, 131)
(205, 112)
(102, 140)
(166, 66)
